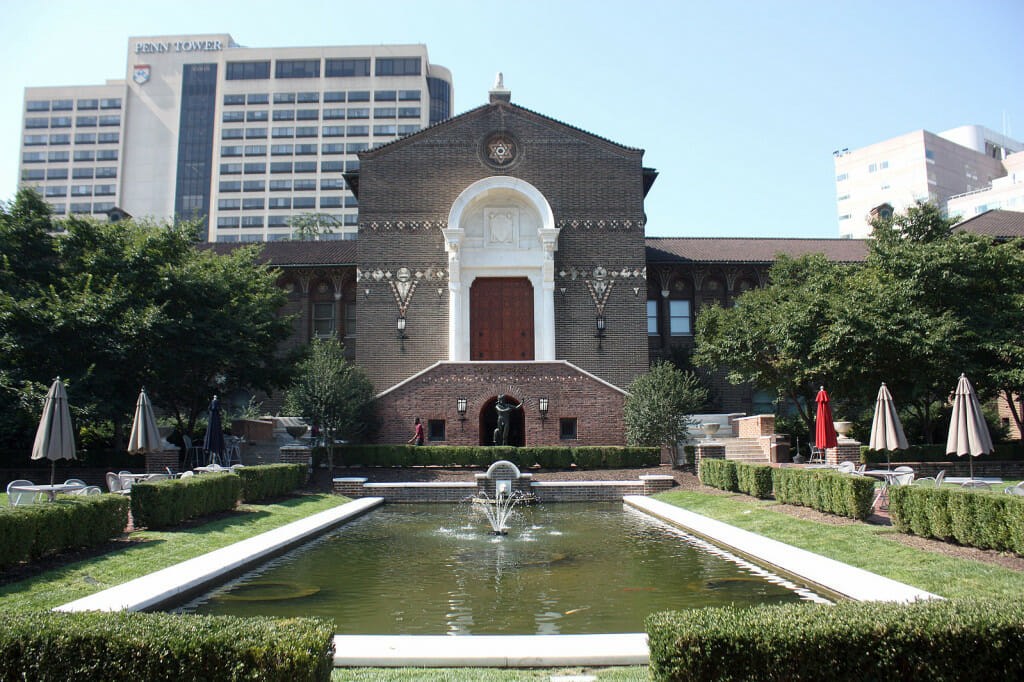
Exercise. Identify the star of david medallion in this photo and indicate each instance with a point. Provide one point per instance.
(501, 150)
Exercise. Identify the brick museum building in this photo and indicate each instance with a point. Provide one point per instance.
(502, 252)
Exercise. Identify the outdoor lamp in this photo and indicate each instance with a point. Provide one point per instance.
(600, 326)
(460, 406)
(401, 330)
(542, 406)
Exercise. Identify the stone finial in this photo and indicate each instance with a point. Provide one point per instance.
(499, 93)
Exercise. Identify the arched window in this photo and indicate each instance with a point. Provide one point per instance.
(322, 310)
(680, 308)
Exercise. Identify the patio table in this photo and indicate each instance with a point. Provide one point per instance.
(50, 490)
(883, 492)
(960, 480)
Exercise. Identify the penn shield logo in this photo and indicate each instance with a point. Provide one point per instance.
(141, 74)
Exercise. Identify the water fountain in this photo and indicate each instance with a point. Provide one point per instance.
(497, 510)
(498, 492)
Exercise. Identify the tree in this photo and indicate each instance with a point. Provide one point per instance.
(332, 395)
(659, 402)
(774, 337)
(309, 226)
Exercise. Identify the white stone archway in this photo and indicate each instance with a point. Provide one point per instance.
(501, 226)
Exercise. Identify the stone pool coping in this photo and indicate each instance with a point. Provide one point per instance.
(194, 575)
(834, 576)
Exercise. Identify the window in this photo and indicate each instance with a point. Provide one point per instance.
(333, 131)
(284, 114)
(253, 204)
(359, 113)
(435, 429)
(102, 206)
(397, 66)
(351, 202)
(63, 105)
(37, 123)
(255, 133)
(283, 132)
(281, 149)
(842, 197)
(307, 131)
(353, 148)
(63, 121)
(58, 174)
(347, 68)
(106, 172)
(308, 97)
(408, 112)
(301, 185)
(256, 115)
(255, 167)
(255, 150)
(929, 154)
(59, 208)
(358, 131)
(109, 138)
(567, 428)
(258, 98)
(305, 149)
(334, 96)
(842, 176)
(297, 68)
(279, 202)
(56, 191)
(252, 221)
(332, 183)
(81, 190)
(110, 103)
(384, 96)
(359, 96)
(33, 174)
(845, 216)
(103, 190)
(872, 167)
(229, 204)
(231, 150)
(384, 112)
(58, 157)
(305, 166)
(408, 95)
(323, 320)
(277, 221)
(231, 221)
(232, 134)
(883, 165)
(33, 157)
(254, 186)
(86, 121)
(62, 138)
(37, 105)
(111, 120)
(350, 219)
(280, 185)
(284, 98)
(281, 167)
(81, 207)
(304, 202)
(85, 138)
(652, 317)
(234, 99)
(333, 167)
(230, 186)
(233, 116)
(308, 114)
(34, 140)
(85, 155)
(333, 148)
(334, 113)
(384, 130)
(408, 129)
(230, 168)
(330, 202)
(243, 71)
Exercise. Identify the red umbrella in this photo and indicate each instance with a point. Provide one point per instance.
(824, 430)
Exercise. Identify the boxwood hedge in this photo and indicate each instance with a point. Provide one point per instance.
(750, 479)
(930, 640)
(28, 532)
(826, 490)
(160, 646)
(270, 480)
(719, 473)
(163, 504)
(989, 520)
(606, 457)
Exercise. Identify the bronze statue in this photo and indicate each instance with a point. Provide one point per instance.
(503, 408)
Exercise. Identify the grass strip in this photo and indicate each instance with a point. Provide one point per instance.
(865, 546)
(155, 550)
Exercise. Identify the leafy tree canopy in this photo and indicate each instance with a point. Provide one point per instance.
(659, 402)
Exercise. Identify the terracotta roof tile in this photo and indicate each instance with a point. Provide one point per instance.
(996, 223)
(749, 250)
(295, 254)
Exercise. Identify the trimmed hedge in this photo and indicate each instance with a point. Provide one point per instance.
(607, 457)
(985, 519)
(719, 473)
(751, 479)
(163, 504)
(160, 646)
(1010, 451)
(28, 532)
(826, 490)
(270, 480)
(927, 640)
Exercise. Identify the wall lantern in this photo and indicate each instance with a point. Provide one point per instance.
(600, 330)
(460, 406)
(542, 406)
(401, 331)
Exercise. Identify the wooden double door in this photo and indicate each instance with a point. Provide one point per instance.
(501, 319)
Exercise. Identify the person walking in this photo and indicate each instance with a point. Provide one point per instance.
(417, 436)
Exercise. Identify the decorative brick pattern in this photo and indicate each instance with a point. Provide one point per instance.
(847, 450)
(160, 462)
(297, 454)
(596, 406)
(756, 426)
(710, 451)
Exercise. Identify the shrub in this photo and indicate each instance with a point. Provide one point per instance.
(163, 504)
(989, 520)
(928, 640)
(754, 480)
(719, 473)
(826, 490)
(608, 457)
(159, 646)
(28, 532)
(270, 480)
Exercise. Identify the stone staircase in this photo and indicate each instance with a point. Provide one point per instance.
(745, 450)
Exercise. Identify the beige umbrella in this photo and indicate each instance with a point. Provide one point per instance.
(968, 432)
(55, 439)
(145, 436)
(886, 430)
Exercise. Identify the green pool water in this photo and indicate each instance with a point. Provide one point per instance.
(435, 569)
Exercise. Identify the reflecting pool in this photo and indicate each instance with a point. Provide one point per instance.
(436, 569)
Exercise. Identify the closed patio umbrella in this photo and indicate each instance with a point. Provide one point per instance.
(968, 432)
(213, 443)
(824, 428)
(886, 430)
(55, 439)
(145, 436)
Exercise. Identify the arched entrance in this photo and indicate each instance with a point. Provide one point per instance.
(489, 422)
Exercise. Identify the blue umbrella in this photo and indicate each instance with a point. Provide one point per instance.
(213, 443)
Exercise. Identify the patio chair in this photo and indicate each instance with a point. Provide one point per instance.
(903, 470)
(903, 479)
(232, 450)
(194, 454)
(16, 498)
(187, 474)
(126, 480)
(817, 456)
(158, 477)
(846, 467)
(933, 481)
(75, 481)
(114, 484)
(89, 490)
(861, 469)
(976, 485)
(1015, 490)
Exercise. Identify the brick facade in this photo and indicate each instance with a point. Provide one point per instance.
(572, 394)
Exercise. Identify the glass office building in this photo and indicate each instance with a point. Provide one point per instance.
(253, 141)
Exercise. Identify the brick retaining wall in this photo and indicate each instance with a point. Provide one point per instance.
(543, 491)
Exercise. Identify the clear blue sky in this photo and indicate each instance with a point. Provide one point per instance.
(739, 105)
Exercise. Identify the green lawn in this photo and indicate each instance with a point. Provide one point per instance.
(155, 550)
(863, 545)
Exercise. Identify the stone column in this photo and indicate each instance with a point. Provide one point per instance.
(298, 454)
(846, 450)
(350, 487)
(657, 483)
(710, 451)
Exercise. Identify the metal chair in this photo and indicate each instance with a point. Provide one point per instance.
(846, 467)
(934, 481)
(17, 497)
(817, 455)
(976, 485)
(232, 450)
(1015, 490)
(194, 454)
(114, 484)
(90, 490)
